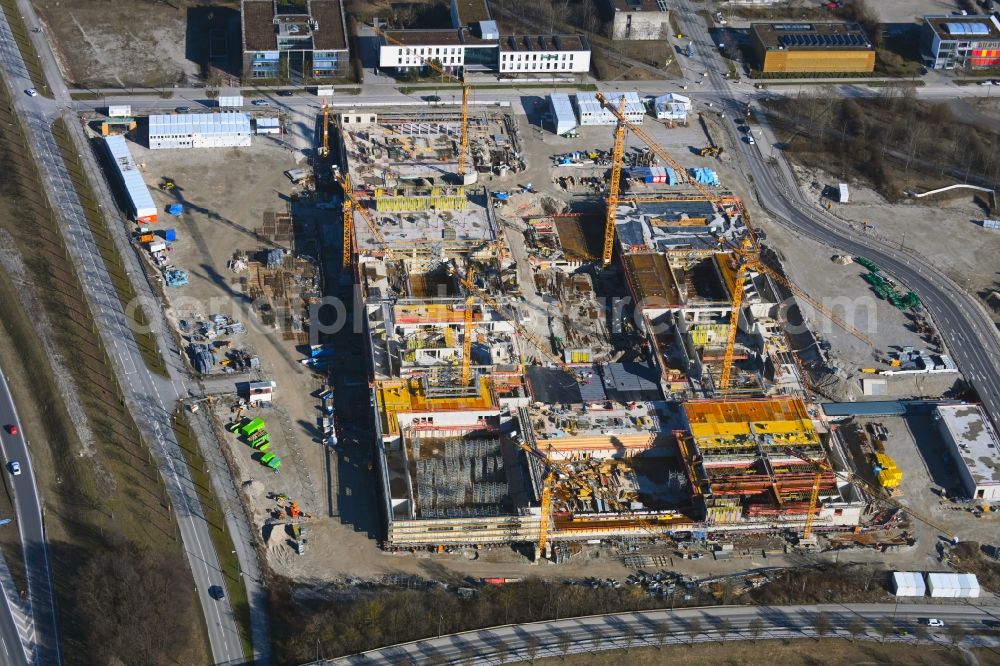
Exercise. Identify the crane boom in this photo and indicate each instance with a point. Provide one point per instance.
(348, 218)
(749, 256)
(617, 155)
(734, 325)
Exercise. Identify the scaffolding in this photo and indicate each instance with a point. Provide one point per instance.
(459, 477)
(410, 200)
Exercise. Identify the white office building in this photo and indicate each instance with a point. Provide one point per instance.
(540, 55)
(199, 130)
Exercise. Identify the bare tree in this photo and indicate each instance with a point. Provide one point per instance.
(595, 640)
(822, 623)
(565, 642)
(629, 636)
(884, 626)
(693, 628)
(723, 626)
(662, 632)
(756, 628)
(533, 644)
(956, 633)
(856, 626)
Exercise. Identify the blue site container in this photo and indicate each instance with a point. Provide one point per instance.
(170, 235)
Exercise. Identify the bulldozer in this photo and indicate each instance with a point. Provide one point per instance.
(710, 151)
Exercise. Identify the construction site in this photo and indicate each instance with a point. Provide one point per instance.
(544, 374)
(616, 356)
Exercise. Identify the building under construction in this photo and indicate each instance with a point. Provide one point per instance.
(491, 433)
(753, 465)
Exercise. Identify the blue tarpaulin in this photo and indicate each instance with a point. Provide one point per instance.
(705, 176)
(175, 209)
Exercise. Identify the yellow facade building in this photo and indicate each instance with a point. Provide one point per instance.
(811, 48)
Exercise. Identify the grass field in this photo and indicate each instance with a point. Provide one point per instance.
(829, 652)
(105, 505)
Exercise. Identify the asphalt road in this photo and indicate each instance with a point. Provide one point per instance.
(967, 330)
(28, 518)
(513, 643)
(150, 398)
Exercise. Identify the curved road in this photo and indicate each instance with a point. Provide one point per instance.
(967, 330)
(28, 510)
(516, 643)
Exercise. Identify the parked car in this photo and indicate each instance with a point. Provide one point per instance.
(15, 468)
(260, 102)
(750, 139)
(183, 109)
(11, 428)
(431, 98)
(934, 622)
(216, 592)
(285, 93)
(31, 92)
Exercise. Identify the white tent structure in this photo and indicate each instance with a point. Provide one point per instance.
(908, 584)
(953, 586)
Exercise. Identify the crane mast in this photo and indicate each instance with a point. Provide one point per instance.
(617, 155)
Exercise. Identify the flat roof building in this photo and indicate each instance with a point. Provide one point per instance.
(126, 171)
(961, 42)
(591, 112)
(199, 130)
(810, 48)
(974, 445)
(283, 40)
(474, 41)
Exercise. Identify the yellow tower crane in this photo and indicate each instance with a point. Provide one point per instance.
(467, 332)
(324, 150)
(617, 155)
(463, 144)
(348, 215)
(521, 330)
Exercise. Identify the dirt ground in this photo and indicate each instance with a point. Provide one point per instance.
(127, 42)
(916, 446)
